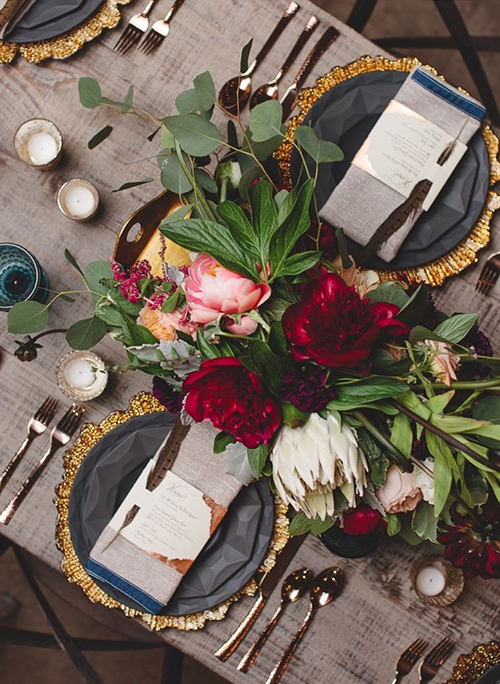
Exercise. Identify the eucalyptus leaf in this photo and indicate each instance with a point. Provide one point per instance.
(94, 273)
(27, 317)
(320, 150)
(173, 177)
(99, 137)
(265, 121)
(236, 463)
(257, 458)
(166, 138)
(71, 259)
(134, 184)
(205, 90)
(86, 333)
(205, 181)
(245, 53)
(127, 102)
(455, 328)
(389, 292)
(196, 135)
(89, 92)
(187, 102)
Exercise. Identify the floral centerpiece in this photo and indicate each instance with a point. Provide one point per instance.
(359, 401)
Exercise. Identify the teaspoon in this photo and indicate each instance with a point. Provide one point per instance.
(327, 586)
(235, 93)
(293, 588)
(269, 91)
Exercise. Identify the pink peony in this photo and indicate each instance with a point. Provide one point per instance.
(212, 290)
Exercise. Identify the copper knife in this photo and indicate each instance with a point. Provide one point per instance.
(266, 584)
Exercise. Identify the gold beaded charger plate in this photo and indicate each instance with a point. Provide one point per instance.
(481, 666)
(54, 29)
(98, 472)
(343, 106)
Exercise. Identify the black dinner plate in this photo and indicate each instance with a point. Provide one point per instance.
(229, 559)
(345, 115)
(490, 677)
(48, 19)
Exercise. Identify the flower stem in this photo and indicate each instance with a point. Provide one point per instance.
(469, 384)
(190, 177)
(48, 332)
(382, 439)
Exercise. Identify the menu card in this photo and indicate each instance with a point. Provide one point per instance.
(174, 521)
(404, 148)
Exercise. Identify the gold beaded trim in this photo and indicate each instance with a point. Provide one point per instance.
(471, 666)
(89, 436)
(464, 254)
(64, 46)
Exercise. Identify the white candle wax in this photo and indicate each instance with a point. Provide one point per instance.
(42, 148)
(79, 373)
(430, 581)
(80, 201)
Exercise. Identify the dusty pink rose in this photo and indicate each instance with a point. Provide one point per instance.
(443, 362)
(164, 326)
(212, 290)
(399, 494)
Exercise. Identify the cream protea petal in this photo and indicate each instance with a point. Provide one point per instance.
(311, 461)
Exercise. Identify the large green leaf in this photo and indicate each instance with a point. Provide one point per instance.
(265, 121)
(320, 150)
(94, 273)
(444, 466)
(239, 226)
(270, 366)
(264, 215)
(86, 333)
(187, 102)
(27, 317)
(377, 460)
(389, 292)
(371, 389)
(424, 522)
(455, 328)
(402, 434)
(195, 134)
(89, 92)
(205, 89)
(173, 177)
(298, 263)
(257, 458)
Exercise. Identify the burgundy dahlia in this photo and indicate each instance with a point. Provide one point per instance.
(167, 394)
(234, 399)
(334, 327)
(304, 387)
(473, 543)
(480, 345)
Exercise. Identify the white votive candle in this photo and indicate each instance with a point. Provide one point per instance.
(78, 199)
(42, 148)
(79, 373)
(430, 581)
(38, 142)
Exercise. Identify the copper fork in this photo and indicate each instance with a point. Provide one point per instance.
(408, 658)
(36, 426)
(434, 659)
(489, 275)
(59, 436)
(135, 29)
(160, 30)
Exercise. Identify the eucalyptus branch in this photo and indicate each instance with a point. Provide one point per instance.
(190, 177)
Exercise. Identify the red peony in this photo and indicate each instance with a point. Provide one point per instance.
(473, 543)
(333, 326)
(234, 399)
(362, 520)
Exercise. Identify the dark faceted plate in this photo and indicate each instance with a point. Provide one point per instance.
(490, 677)
(48, 19)
(345, 115)
(229, 559)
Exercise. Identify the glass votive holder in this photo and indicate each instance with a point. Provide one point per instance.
(81, 375)
(78, 199)
(436, 581)
(39, 143)
(21, 277)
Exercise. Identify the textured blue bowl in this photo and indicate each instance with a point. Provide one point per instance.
(21, 276)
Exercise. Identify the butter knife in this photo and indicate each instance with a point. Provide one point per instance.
(266, 584)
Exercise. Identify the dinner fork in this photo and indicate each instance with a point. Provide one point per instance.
(434, 659)
(160, 30)
(59, 436)
(36, 426)
(408, 658)
(489, 275)
(135, 29)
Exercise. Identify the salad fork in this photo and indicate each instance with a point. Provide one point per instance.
(59, 436)
(135, 29)
(408, 658)
(160, 30)
(434, 659)
(36, 426)
(489, 275)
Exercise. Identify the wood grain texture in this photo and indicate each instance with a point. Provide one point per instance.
(358, 638)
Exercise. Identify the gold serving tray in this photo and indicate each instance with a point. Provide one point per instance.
(471, 666)
(465, 253)
(90, 435)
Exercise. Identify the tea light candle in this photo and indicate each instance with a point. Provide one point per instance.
(78, 199)
(38, 142)
(81, 375)
(430, 581)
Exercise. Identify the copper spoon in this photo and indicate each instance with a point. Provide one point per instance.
(327, 586)
(269, 91)
(293, 588)
(235, 93)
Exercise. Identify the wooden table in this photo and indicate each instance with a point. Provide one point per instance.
(358, 638)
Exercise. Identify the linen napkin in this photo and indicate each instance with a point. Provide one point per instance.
(147, 579)
(11, 11)
(361, 203)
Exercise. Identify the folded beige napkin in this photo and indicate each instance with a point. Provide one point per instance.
(11, 11)
(143, 577)
(360, 202)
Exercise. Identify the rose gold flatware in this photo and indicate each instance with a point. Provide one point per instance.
(135, 29)
(325, 589)
(269, 91)
(36, 426)
(290, 98)
(434, 659)
(294, 587)
(160, 30)
(408, 658)
(489, 274)
(266, 581)
(59, 436)
(235, 93)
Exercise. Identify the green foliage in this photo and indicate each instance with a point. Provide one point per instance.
(89, 92)
(257, 458)
(99, 137)
(319, 150)
(389, 292)
(265, 121)
(195, 134)
(245, 53)
(221, 441)
(173, 176)
(86, 333)
(27, 317)
(377, 460)
(424, 522)
(270, 366)
(366, 391)
(134, 184)
(95, 272)
(455, 328)
(71, 259)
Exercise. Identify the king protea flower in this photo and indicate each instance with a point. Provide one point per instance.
(310, 461)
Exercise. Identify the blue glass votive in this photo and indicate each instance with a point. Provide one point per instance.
(21, 277)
